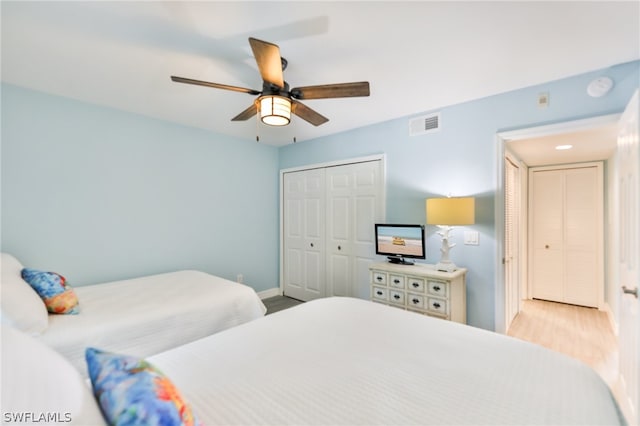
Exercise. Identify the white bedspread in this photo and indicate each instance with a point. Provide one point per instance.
(148, 315)
(341, 361)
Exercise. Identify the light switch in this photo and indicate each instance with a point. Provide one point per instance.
(472, 238)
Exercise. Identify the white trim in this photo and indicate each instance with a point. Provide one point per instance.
(334, 163)
(374, 157)
(558, 128)
(271, 292)
(501, 139)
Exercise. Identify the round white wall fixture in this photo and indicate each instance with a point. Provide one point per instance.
(599, 87)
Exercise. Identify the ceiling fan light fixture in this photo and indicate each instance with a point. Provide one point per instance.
(275, 110)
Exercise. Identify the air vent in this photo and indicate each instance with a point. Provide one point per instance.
(424, 124)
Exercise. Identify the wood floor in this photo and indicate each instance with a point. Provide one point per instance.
(581, 333)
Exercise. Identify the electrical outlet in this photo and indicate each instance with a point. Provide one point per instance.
(240, 278)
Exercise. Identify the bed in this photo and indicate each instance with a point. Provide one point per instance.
(141, 316)
(344, 361)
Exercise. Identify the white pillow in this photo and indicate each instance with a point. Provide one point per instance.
(20, 305)
(40, 383)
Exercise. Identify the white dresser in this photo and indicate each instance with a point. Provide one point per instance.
(421, 288)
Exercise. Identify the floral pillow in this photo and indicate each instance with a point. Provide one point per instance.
(53, 289)
(131, 391)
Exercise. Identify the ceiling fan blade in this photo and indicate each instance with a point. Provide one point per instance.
(307, 114)
(340, 90)
(247, 113)
(269, 62)
(214, 85)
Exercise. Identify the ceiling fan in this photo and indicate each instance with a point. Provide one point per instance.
(276, 101)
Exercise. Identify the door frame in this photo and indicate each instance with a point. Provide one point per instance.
(375, 157)
(502, 138)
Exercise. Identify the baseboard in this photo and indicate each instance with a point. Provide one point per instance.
(612, 320)
(272, 292)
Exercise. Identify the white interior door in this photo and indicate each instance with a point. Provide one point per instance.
(629, 239)
(354, 204)
(546, 214)
(566, 208)
(304, 232)
(512, 241)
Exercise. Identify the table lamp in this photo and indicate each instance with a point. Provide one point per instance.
(445, 213)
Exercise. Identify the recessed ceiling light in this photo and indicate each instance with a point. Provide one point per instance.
(563, 147)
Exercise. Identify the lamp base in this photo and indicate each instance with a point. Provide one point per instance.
(446, 266)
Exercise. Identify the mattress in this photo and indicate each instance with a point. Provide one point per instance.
(342, 361)
(148, 315)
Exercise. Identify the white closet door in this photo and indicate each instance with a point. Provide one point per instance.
(354, 204)
(581, 242)
(304, 234)
(567, 233)
(546, 209)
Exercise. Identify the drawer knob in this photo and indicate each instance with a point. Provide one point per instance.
(436, 305)
(379, 278)
(396, 296)
(379, 293)
(415, 285)
(415, 301)
(311, 244)
(436, 288)
(396, 281)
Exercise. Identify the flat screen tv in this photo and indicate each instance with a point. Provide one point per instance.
(399, 242)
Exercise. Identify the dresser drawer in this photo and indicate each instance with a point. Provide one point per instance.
(378, 277)
(415, 284)
(438, 288)
(396, 297)
(415, 300)
(437, 306)
(420, 288)
(396, 281)
(379, 293)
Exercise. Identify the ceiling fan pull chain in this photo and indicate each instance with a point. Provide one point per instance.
(257, 128)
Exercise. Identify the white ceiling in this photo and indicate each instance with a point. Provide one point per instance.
(594, 144)
(417, 56)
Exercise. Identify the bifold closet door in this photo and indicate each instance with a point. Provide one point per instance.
(328, 232)
(566, 211)
(304, 234)
(354, 204)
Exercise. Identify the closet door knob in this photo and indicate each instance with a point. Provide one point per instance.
(546, 246)
(339, 248)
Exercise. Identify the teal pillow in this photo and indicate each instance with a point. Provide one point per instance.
(131, 391)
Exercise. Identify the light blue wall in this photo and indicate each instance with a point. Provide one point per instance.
(99, 194)
(461, 160)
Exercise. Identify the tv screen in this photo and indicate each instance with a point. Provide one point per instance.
(400, 241)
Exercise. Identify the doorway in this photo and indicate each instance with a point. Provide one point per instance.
(593, 139)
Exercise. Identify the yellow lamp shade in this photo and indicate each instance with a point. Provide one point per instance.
(451, 211)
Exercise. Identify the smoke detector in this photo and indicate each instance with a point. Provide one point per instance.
(599, 87)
